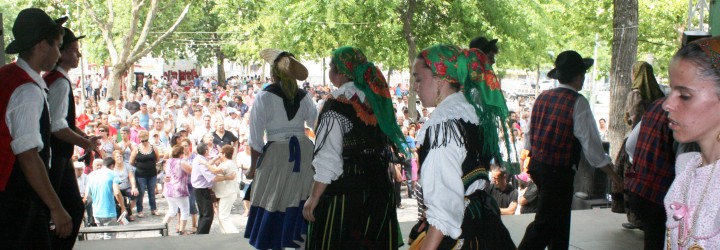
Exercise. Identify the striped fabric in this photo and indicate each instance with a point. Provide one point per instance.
(551, 126)
(358, 220)
(654, 159)
(357, 210)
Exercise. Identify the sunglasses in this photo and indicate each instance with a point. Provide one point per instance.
(143, 141)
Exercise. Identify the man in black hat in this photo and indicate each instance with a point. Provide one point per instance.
(27, 200)
(561, 127)
(489, 47)
(65, 135)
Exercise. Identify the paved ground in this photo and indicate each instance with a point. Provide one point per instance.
(591, 229)
(408, 214)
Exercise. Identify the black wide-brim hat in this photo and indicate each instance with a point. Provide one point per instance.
(69, 37)
(482, 43)
(30, 27)
(569, 64)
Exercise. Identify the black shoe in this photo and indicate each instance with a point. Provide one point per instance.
(628, 225)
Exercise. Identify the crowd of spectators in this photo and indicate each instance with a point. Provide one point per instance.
(140, 130)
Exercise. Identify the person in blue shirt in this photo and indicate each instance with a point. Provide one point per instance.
(103, 187)
(407, 164)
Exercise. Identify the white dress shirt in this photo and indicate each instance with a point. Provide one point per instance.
(585, 130)
(268, 117)
(328, 161)
(58, 101)
(441, 171)
(24, 110)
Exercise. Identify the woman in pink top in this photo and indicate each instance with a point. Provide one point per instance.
(177, 175)
(693, 200)
(135, 129)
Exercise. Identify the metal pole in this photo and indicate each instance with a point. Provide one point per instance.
(2, 42)
(323, 75)
(82, 77)
(702, 6)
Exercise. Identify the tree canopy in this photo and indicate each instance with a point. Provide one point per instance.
(530, 33)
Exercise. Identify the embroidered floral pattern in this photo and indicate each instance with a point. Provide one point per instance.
(377, 109)
(471, 68)
(711, 47)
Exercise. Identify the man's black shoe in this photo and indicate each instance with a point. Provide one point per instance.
(628, 225)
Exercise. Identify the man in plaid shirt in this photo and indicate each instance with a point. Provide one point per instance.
(651, 146)
(561, 127)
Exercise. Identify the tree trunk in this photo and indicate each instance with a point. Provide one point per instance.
(407, 19)
(115, 80)
(624, 53)
(220, 57)
(390, 70)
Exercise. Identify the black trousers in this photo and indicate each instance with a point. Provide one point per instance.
(24, 218)
(653, 217)
(396, 187)
(551, 227)
(62, 176)
(205, 209)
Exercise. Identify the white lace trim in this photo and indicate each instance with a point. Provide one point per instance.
(349, 90)
(454, 107)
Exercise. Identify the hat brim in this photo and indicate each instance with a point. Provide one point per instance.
(16, 46)
(286, 62)
(75, 39)
(491, 42)
(588, 62)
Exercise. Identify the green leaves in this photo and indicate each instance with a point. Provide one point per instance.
(529, 32)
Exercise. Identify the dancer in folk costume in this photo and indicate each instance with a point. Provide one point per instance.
(281, 167)
(352, 205)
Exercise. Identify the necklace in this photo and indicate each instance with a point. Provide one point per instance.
(684, 234)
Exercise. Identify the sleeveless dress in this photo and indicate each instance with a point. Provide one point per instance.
(357, 210)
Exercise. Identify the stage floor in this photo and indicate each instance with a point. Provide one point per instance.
(590, 229)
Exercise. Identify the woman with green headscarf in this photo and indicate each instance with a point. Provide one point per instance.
(645, 90)
(352, 204)
(457, 145)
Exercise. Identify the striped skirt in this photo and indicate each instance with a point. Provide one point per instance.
(360, 220)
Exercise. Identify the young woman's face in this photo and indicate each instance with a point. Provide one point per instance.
(118, 157)
(336, 78)
(425, 84)
(689, 103)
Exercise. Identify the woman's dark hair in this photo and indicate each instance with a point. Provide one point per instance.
(174, 139)
(694, 54)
